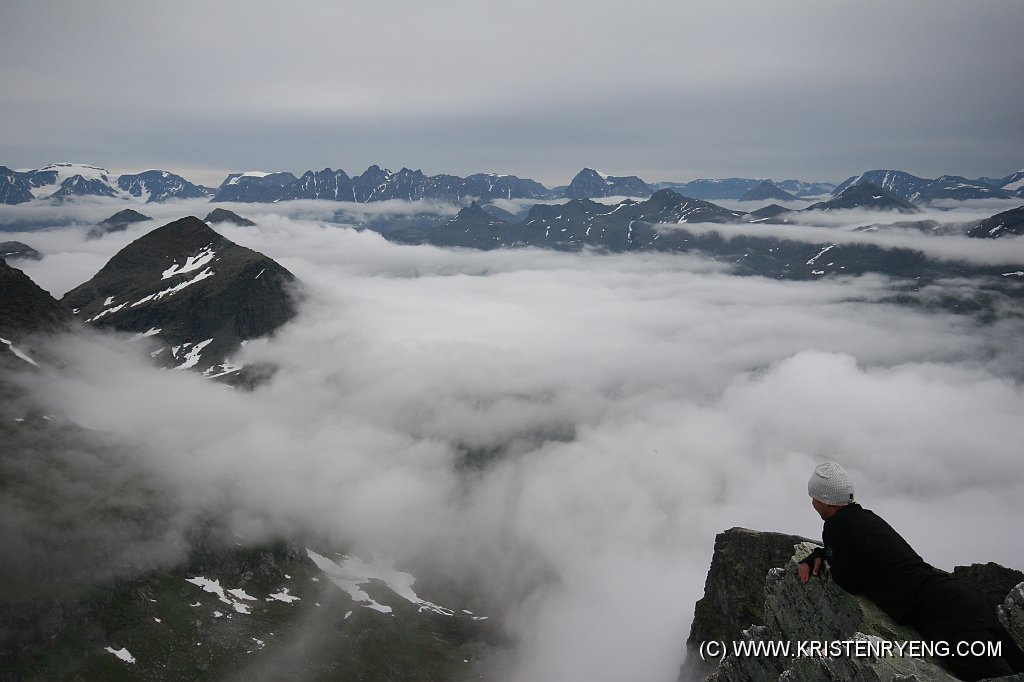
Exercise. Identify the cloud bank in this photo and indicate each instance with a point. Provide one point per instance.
(566, 433)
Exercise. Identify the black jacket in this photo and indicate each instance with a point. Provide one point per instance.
(866, 556)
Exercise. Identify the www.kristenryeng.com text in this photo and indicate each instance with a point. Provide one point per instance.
(874, 647)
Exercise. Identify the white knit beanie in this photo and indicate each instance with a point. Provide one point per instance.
(830, 484)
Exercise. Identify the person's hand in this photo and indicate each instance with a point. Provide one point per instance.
(805, 572)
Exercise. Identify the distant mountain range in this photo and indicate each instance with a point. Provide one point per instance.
(62, 181)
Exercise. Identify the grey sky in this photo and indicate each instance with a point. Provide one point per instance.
(665, 90)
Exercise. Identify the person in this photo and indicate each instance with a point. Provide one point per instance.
(865, 555)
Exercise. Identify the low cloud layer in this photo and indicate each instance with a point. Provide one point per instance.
(568, 432)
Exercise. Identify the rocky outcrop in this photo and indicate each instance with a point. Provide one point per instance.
(734, 590)
(823, 612)
(993, 580)
(831, 634)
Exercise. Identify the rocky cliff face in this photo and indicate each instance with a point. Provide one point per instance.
(734, 589)
(820, 611)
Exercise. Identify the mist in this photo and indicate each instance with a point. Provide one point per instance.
(565, 433)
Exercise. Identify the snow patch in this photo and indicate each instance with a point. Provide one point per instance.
(18, 353)
(195, 262)
(214, 587)
(175, 289)
(352, 572)
(108, 311)
(123, 654)
(284, 596)
(821, 253)
(193, 356)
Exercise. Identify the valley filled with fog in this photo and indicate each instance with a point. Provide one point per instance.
(563, 434)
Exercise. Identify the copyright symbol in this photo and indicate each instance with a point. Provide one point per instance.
(712, 651)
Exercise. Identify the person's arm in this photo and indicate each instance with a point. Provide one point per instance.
(841, 554)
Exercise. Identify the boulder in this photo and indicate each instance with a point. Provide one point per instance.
(993, 580)
(1011, 614)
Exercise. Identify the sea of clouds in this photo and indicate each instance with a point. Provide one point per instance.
(567, 432)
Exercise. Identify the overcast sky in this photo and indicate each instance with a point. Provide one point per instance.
(663, 89)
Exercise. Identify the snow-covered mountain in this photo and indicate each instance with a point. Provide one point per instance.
(922, 190)
(156, 186)
(1013, 183)
(199, 293)
(61, 181)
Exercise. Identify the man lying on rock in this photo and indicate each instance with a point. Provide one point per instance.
(866, 556)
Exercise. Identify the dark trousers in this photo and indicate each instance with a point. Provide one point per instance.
(955, 612)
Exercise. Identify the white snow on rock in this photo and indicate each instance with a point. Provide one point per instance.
(195, 262)
(123, 654)
(214, 588)
(66, 171)
(193, 356)
(284, 596)
(247, 174)
(352, 572)
(18, 353)
(152, 331)
(821, 253)
(239, 593)
(108, 311)
(176, 288)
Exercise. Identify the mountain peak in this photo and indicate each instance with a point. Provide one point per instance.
(865, 194)
(194, 289)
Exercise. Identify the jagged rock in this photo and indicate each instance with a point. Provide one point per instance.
(734, 589)
(821, 611)
(1011, 614)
